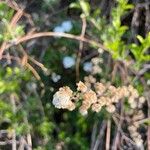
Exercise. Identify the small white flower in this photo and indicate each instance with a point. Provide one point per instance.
(83, 112)
(81, 87)
(110, 108)
(87, 66)
(100, 50)
(68, 62)
(55, 77)
(148, 82)
(59, 29)
(139, 143)
(142, 100)
(66, 25)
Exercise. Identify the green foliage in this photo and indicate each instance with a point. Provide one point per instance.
(114, 31)
(5, 111)
(5, 12)
(83, 5)
(10, 33)
(34, 112)
(140, 52)
(10, 79)
(7, 32)
(46, 127)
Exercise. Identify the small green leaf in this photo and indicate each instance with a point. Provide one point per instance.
(129, 6)
(1, 37)
(140, 38)
(74, 5)
(85, 7)
(146, 57)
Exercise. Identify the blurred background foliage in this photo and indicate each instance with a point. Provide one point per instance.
(26, 103)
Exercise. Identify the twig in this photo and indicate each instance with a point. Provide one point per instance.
(26, 57)
(13, 23)
(8, 60)
(123, 134)
(21, 143)
(14, 144)
(147, 18)
(148, 130)
(116, 140)
(7, 142)
(135, 23)
(80, 49)
(29, 138)
(145, 68)
(114, 71)
(142, 121)
(11, 57)
(29, 141)
(108, 134)
(38, 63)
(33, 71)
(27, 65)
(91, 55)
(53, 34)
(16, 18)
(93, 137)
(12, 4)
(40, 102)
(100, 135)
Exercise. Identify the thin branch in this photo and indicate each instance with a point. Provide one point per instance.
(147, 18)
(119, 124)
(100, 135)
(29, 141)
(33, 71)
(38, 63)
(16, 18)
(123, 134)
(108, 134)
(148, 130)
(12, 4)
(142, 121)
(93, 137)
(14, 144)
(8, 57)
(21, 143)
(13, 23)
(25, 63)
(47, 34)
(80, 49)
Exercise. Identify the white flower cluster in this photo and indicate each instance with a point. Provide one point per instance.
(62, 99)
(102, 96)
(96, 95)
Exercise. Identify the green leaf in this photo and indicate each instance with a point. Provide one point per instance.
(96, 13)
(85, 7)
(1, 37)
(116, 23)
(129, 6)
(74, 5)
(140, 38)
(146, 58)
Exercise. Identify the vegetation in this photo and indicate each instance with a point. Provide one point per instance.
(74, 75)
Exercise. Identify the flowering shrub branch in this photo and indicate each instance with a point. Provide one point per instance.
(103, 96)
